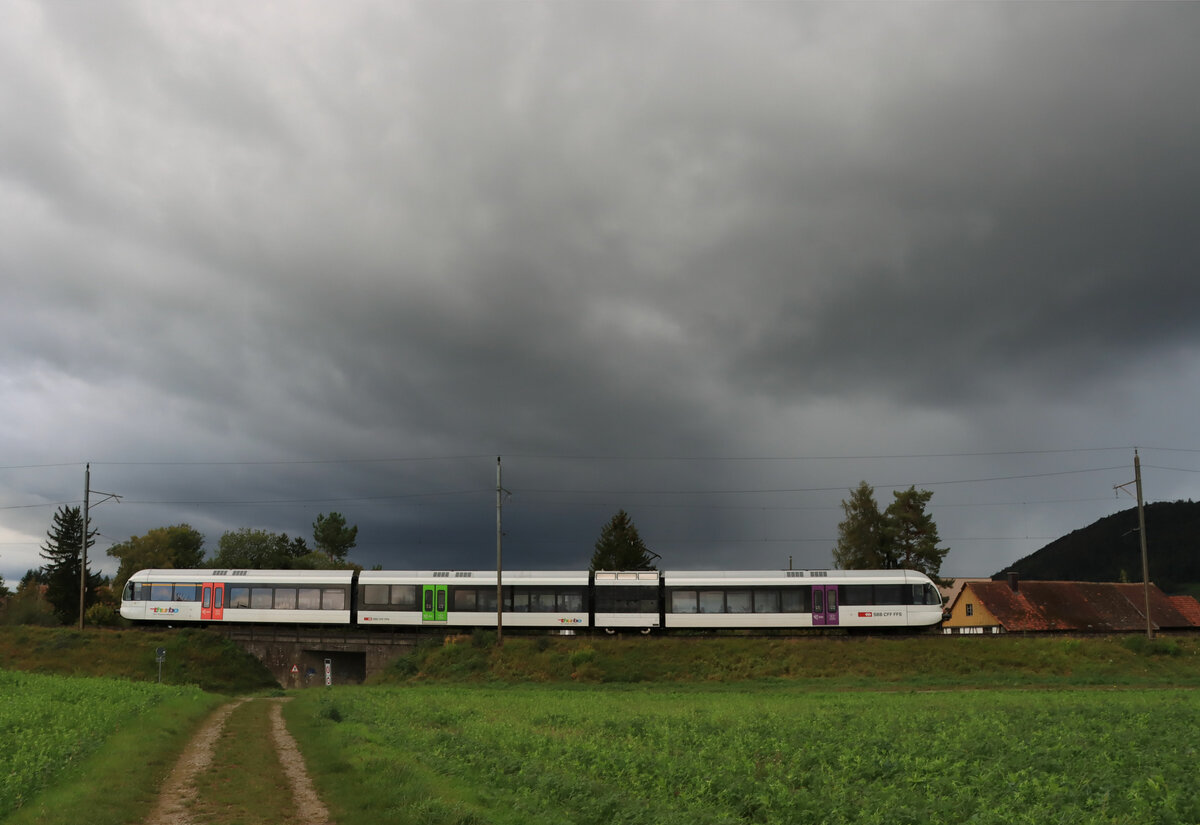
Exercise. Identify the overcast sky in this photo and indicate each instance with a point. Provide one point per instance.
(712, 263)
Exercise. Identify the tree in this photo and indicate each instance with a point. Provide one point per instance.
(912, 533)
(332, 536)
(620, 547)
(28, 605)
(61, 570)
(258, 550)
(862, 537)
(177, 547)
(902, 537)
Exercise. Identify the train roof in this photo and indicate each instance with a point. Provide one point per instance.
(480, 577)
(678, 578)
(233, 576)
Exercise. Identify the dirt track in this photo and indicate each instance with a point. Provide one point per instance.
(178, 794)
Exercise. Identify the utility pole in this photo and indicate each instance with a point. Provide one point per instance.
(87, 494)
(87, 484)
(1137, 476)
(499, 558)
(1137, 482)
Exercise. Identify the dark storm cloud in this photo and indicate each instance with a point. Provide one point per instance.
(592, 237)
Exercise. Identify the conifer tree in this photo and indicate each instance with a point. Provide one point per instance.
(904, 536)
(61, 570)
(620, 547)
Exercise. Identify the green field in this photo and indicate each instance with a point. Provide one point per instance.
(695, 755)
(51, 726)
(581, 730)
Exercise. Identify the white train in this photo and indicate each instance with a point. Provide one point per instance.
(643, 600)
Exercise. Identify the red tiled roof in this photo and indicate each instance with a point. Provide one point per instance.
(1084, 606)
(1188, 607)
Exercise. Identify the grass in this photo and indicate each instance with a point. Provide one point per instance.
(192, 657)
(698, 754)
(833, 662)
(102, 773)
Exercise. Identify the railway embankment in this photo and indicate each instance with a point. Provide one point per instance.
(928, 661)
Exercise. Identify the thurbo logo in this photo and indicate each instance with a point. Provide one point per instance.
(570, 621)
(164, 610)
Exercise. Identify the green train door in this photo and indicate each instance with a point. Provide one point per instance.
(433, 603)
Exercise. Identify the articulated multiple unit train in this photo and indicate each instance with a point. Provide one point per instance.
(641, 600)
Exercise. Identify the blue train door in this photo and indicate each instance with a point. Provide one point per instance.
(825, 605)
(433, 603)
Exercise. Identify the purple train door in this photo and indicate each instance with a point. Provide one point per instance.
(824, 605)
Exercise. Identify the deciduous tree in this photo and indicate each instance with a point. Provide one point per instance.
(258, 550)
(176, 547)
(332, 536)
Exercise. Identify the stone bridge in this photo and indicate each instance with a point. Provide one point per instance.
(298, 656)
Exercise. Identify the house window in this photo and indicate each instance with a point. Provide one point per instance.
(970, 609)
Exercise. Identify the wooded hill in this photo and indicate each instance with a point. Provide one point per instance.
(1110, 550)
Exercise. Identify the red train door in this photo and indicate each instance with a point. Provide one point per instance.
(212, 602)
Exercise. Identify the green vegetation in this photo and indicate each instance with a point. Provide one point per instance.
(1109, 550)
(842, 662)
(79, 737)
(723, 754)
(193, 657)
(723, 729)
(903, 536)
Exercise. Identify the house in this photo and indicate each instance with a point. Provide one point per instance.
(1015, 606)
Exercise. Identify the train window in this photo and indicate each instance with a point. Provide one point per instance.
(857, 594)
(541, 601)
(333, 598)
(239, 597)
(375, 593)
(831, 601)
(404, 596)
(262, 598)
(737, 601)
(207, 598)
(441, 601)
(520, 601)
(485, 600)
(187, 592)
(308, 598)
(464, 598)
(889, 594)
(792, 600)
(285, 598)
(712, 601)
(766, 601)
(683, 601)
(925, 594)
(818, 600)
(160, 592)
(626, 600)
(570, 601)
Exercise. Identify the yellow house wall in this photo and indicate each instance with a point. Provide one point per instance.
(958, 613)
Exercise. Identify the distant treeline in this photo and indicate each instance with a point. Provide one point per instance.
(1110, 550)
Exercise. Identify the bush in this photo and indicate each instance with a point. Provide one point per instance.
(1152, 647)
(101, 615)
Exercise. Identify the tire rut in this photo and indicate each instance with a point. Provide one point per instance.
(178, 793)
